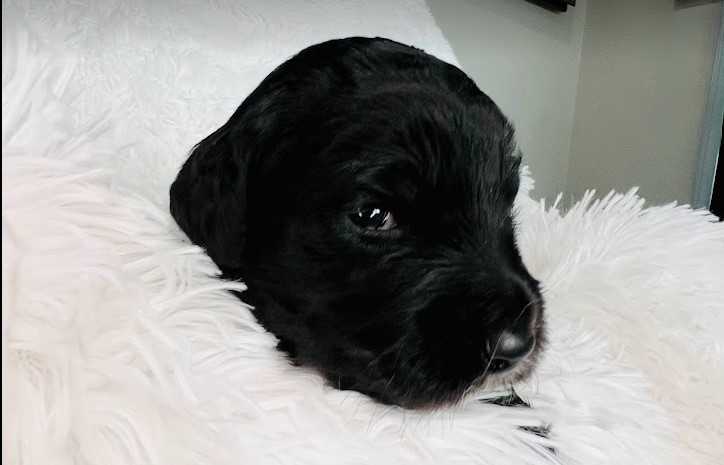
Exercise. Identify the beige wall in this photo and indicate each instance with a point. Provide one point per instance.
(526, 59)
(633, 73)
(643, 82)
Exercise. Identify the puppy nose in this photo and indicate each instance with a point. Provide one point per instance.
(509, 348)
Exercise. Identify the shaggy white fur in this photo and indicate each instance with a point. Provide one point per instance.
(119, 345)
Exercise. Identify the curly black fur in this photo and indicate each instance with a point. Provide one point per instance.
(410, 314)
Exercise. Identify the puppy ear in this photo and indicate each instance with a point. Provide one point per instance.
(209, 198)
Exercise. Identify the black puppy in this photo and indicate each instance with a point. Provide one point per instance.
(364, 192)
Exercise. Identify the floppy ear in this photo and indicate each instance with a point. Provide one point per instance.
(209, 199)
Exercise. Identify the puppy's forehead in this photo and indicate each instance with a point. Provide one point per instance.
(417, 142)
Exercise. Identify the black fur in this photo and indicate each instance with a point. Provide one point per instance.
(411, 315)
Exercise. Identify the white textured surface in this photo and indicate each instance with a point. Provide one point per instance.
(167, 73)
(120, 347)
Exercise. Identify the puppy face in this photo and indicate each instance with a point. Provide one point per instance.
(364, 192)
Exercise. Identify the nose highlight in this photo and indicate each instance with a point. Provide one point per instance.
(513, 346)
(509, 349)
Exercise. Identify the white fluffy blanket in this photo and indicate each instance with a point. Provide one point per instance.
(119, 345)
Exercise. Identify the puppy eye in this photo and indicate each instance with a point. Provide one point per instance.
(375, 219)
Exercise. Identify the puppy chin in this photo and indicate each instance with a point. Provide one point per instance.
(485, 385)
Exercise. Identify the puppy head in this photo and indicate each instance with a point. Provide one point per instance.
(364, 192)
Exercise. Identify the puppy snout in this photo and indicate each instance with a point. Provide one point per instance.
(516, 341)
(509, 348)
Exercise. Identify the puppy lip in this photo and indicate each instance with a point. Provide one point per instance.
(492, 381)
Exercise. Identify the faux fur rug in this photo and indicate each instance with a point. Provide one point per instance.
(120, 346)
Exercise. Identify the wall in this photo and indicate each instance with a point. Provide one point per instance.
(643, 82)
(526, 59)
